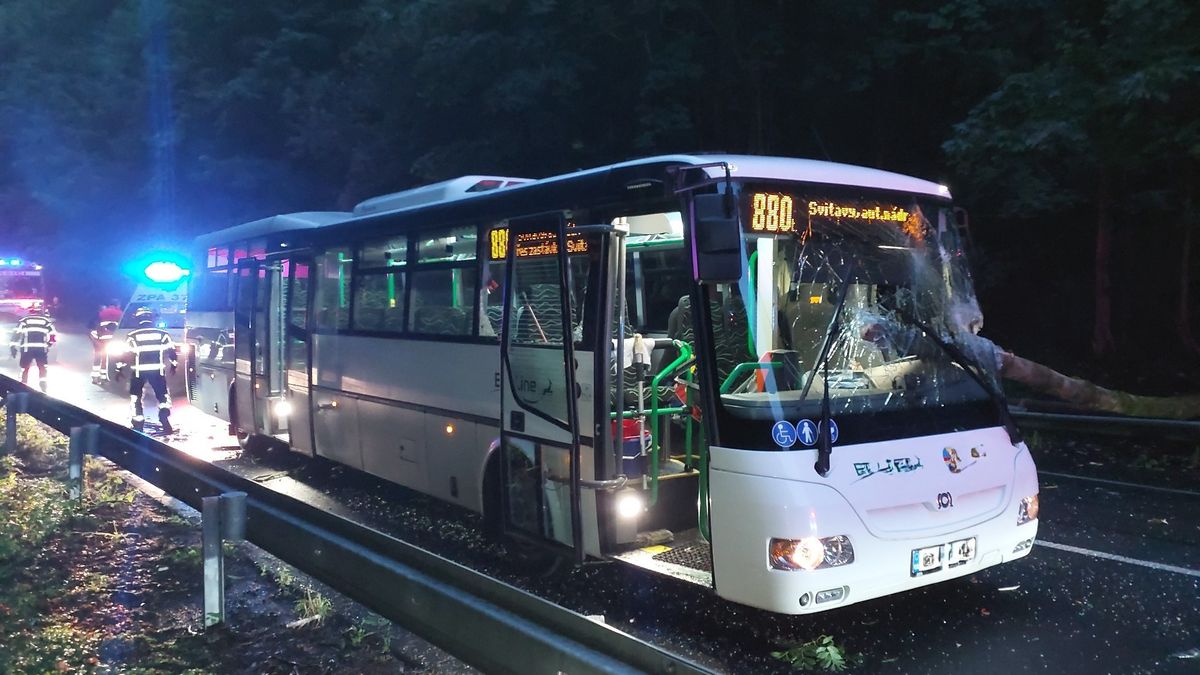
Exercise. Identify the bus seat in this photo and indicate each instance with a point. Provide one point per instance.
(731, 334)
(495, 314)
(440, 320)
(540, 321)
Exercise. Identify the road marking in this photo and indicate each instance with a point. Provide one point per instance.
(1121, 483)
(1119, 558)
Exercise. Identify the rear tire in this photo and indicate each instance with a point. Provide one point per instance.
(255, 444)
(526, 558)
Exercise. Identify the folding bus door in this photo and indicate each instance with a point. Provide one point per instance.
(259, 335)
(539, 429)
(298, 354)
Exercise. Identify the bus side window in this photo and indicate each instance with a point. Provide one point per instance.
(332, 301)
(491, 299)
(442, 301)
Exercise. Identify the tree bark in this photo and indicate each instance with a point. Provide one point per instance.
(1102, 339)
(1094, 397)
(1183, 314)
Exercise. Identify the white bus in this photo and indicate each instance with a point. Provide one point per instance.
(816, 423)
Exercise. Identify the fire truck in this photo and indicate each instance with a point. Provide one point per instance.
(21, 290)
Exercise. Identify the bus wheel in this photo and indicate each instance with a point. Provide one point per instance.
(255, 444)
(492, 526)
(526, 557)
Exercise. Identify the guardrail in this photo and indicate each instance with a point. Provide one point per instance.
(484, 622)
(1058, 418)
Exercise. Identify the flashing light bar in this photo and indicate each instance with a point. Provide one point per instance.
(164, 272)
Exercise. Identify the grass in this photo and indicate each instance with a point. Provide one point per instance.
(314, 606)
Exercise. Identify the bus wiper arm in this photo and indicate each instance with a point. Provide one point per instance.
(824, 433)
(972, 369)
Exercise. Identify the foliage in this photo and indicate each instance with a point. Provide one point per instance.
(818, 654)
(314, 606)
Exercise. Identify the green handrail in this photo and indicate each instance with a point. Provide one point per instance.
(741, 368)
(685, 355)
(750, 328)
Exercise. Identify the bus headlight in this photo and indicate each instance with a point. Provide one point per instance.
(283, 408)
(811, 553)
(1028, 510)
(630, 503)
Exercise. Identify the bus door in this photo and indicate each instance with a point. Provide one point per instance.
(258, 325)
(297, 354)
(539, 399)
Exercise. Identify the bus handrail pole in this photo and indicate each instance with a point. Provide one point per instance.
(619, 436)
(685, 354)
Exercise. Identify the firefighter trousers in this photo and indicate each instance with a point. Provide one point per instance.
(30, 357)
(157, 382)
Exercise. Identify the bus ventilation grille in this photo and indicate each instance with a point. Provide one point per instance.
(693, 556)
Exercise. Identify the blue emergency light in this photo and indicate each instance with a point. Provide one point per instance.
(164, 272)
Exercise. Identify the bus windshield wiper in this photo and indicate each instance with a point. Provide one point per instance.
(972, 369)
(824, 433)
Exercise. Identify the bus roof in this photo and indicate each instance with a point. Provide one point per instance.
(460, 189)
(304, 220)
(792, 169)
(455, 188)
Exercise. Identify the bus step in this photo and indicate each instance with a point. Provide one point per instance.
(687, 557)
(654, 537)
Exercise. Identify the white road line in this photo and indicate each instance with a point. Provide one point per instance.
(1119, 558)
(1121, 483)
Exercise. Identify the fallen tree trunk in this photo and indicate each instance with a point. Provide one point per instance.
(1087, 395)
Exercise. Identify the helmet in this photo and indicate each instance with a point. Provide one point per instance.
(144, 316)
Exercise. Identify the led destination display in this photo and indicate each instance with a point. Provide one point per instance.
(531, 244)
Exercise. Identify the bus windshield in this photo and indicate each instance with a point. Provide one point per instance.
(878, 314)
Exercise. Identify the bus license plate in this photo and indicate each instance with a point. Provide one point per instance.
(926, 560)
(960, 552)
(934, 558)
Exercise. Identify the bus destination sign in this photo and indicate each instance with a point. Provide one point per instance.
(775, 212)
(531, 244)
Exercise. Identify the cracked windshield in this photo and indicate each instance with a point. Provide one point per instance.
(869, 303)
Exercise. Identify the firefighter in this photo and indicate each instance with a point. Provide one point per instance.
(102, 336)
(32, 339)
(150, 352)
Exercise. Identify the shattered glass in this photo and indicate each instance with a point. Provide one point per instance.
(890, 306)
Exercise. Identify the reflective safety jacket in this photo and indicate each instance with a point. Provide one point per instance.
(33, 332)
(104, 332)
(150, 350)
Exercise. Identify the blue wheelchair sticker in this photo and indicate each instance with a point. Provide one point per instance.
(784, 434)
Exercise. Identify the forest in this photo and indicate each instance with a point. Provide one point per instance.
(1068, 129)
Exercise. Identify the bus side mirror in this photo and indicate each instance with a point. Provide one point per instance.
(717, 239)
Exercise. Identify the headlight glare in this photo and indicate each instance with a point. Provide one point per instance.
(630, 504)
(810, 553)
(1028, 510)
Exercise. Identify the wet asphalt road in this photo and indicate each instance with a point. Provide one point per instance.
(1113, 585)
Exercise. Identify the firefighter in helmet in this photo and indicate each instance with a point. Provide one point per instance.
(102, 336)
(32, 339)
(150, 352)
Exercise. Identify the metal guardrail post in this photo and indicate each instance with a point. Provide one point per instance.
(83, 442)
(224, 518)
(17, 402)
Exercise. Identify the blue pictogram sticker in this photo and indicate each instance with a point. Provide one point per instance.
(807, 432)
(833, 430)
(784, 434)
